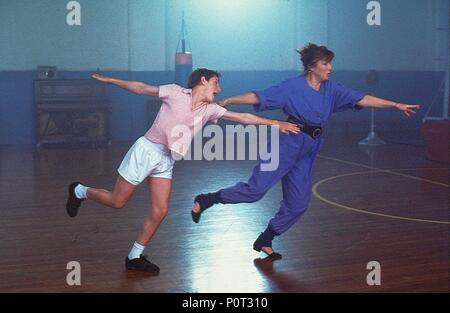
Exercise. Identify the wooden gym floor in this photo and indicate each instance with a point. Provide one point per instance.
(386, 204)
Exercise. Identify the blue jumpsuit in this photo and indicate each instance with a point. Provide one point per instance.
(297, 152)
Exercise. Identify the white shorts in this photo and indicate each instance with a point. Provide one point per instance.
(146, 158)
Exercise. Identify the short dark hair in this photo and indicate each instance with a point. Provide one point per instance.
(312, 53)
(196, 76)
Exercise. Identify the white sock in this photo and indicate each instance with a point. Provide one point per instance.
(80, 191)
(136, 251)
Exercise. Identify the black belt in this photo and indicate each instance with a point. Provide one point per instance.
(313, 131)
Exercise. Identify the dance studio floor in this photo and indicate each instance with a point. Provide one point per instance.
(386, 204)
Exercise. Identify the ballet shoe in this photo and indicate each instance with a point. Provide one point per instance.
(73, 203)
(205, 201)
(258, 245)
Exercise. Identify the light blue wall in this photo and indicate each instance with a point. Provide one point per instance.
(403, 41)
(236, 34)
(37, 34)
(252, 42)
(147, 35)
(311, 24)
(142, 35)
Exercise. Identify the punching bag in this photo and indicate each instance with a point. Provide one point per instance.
(183, 67)
(183, 59)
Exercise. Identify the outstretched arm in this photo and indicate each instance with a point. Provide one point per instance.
(247, 118)
(133, 86)
(375, 102)
(246, 98)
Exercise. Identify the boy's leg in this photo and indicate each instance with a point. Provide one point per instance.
(115, 199)
(159, 189)
(133, 169)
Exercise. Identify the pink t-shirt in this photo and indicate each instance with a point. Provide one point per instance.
(176, 122)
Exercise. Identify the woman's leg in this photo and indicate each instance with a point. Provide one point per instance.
(296, 186)
(259, 183)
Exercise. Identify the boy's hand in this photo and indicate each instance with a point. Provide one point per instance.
(286, 127)
(100, 77)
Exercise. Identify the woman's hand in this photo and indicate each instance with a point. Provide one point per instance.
(408, 109)
(222, 102)
(286, 127)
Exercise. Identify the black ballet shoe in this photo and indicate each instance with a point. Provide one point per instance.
(259, 244)
(196, 216)
(141, 264)
(274, 256)
(205, 201)
(73, 203)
